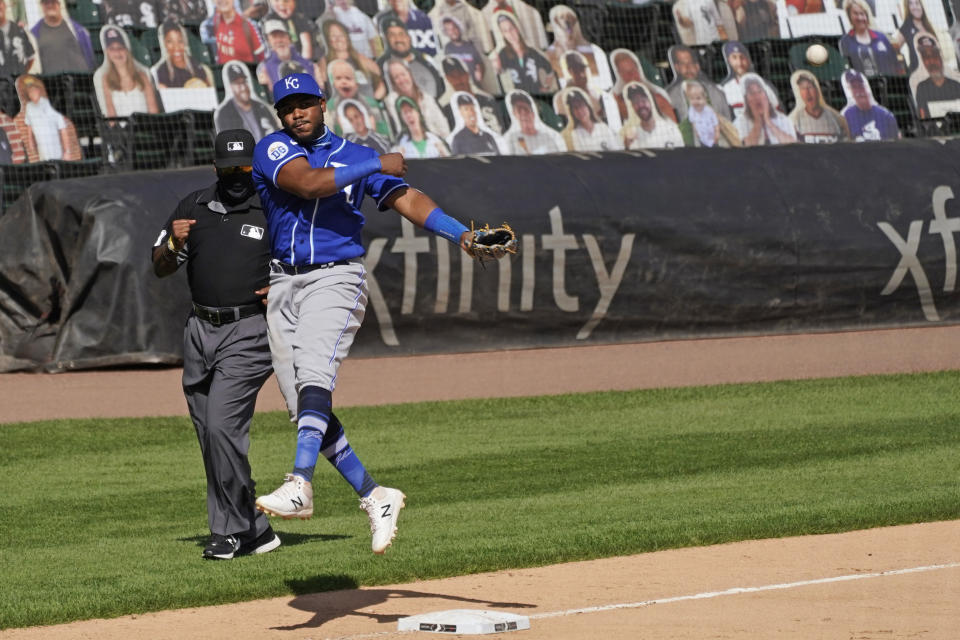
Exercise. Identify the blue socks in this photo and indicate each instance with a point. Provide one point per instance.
(338, 451)
(313, 413)
(319, 431)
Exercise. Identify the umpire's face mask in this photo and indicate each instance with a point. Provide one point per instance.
(236, 183)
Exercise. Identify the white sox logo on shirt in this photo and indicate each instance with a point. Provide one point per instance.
(277, 150)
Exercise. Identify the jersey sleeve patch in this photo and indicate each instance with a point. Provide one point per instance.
(277, 150)
(270, 154)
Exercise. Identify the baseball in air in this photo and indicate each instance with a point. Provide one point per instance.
(817, 54)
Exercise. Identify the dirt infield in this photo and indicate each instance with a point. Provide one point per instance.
(513, 373)
(898, 582)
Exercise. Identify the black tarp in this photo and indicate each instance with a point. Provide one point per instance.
(617, 247)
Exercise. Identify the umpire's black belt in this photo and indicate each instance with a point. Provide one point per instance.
(223, 315)
(296, 269)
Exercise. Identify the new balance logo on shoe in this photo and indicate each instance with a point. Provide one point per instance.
(383, 506)
(293, 499)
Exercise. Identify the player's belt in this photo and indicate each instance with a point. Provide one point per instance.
(296, 269)
(223, 315)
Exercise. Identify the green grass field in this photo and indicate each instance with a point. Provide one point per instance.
(100, 518)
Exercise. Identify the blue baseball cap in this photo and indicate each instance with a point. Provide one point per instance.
(293, 84)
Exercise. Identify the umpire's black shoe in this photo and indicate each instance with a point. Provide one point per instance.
(221, 547)
(266, 541)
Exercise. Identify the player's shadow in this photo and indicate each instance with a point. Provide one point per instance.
(350, 601)
(287, 539)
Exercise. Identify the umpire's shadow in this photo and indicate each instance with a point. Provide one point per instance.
(350, 601)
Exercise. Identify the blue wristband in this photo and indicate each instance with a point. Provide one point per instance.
(443, 225)
(342, 176)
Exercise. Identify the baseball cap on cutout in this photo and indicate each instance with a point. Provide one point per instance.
(391, 21)
(293, 84)
(112, 35)
(734, 47)
(235, 73)
(452, 65)
(233, 148)
(274, 25)
(853, 76)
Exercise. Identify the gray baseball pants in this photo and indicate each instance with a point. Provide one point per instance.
(224, 368)
(313, 319)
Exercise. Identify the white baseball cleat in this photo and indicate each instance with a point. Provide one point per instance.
(293, 499)
(383, 507)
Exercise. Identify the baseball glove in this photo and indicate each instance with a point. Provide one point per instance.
(486, 243)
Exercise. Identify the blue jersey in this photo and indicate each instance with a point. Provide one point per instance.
(875, 124)
(319, 230)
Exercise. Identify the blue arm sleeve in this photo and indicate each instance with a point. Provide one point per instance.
(443, 225)
(342, 176)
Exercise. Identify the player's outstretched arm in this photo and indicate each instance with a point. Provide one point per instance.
(421, 210)
(299, 178)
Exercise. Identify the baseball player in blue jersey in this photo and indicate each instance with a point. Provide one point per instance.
(311, 183)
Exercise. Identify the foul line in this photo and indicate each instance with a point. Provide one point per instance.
(738, 590)
(698, 596)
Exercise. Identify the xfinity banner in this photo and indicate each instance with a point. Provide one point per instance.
(616, 247)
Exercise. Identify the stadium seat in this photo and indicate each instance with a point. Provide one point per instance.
(199, 50)
(893, 92)
(86, 12)
(632, 27)
(141, 53)
(154, 140)
(666, 34)
(96, 44)
(149, 41)
(548, 115)
(161, 140)
(762, 54)
(200, 133)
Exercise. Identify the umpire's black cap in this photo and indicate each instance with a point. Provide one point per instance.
(233, 148)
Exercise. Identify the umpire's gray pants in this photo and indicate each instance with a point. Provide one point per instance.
(224, 368)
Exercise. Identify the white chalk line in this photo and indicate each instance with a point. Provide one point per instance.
(738, 590)
(698, 596)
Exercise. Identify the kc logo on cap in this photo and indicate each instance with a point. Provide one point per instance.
(293, 84)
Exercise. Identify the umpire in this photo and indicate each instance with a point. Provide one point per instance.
(220, 233)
